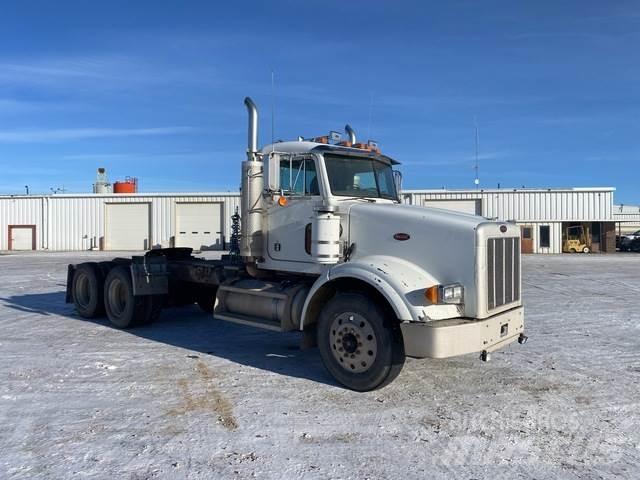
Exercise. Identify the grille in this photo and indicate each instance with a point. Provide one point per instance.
(503, 271)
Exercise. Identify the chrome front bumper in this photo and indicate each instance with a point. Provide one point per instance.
(459, 336)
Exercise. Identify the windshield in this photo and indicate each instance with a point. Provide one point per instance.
(359, 177)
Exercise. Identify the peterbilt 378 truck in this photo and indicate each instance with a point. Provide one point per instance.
(328, 248)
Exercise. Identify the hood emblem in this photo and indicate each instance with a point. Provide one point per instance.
(402, 236)
(503, 228)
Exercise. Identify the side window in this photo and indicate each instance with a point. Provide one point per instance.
(311, 178)
(299, 177)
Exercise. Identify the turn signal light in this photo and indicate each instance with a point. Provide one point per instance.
(431, 294)
(283, 202)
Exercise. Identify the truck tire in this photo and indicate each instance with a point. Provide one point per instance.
(124, 310)
(181, 295)
(154, 305)
(359, 347)
(87, 290)
(206, 301)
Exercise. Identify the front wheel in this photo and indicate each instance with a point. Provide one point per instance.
(585, 250)
(359, 347)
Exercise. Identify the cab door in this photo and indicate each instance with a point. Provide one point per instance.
(288, 220)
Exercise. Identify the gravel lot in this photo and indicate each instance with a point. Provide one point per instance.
(189, 397)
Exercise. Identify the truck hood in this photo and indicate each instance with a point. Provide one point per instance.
(449, 246)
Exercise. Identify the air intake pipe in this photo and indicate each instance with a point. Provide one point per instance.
(252, 142)
(351, 134)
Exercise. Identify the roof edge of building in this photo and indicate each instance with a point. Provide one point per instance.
(511, 190)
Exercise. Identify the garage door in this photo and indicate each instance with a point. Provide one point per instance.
(22, 237)
(127, 226)
(465, 206)
(198, 225)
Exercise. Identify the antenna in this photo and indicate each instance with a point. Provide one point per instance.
(273, 108)
(370, 115)
(477, 179)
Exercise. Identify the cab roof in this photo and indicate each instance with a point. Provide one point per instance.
(315, 147)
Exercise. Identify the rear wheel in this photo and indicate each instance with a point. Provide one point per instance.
(123, 308)
(206, 300)
(359, 347)
(87, 290)
(154, 305)
(585, 250)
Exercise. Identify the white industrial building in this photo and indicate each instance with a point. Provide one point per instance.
(627, 218)
(544, 215)
(203, 220)
(116, 221)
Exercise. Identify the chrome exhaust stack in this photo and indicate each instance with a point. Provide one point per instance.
(251, 191)
(252, 142)
(351, 133)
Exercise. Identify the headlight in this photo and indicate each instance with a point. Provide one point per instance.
(452, 294)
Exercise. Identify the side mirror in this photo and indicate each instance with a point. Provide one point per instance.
(272, 167)
(397, 179)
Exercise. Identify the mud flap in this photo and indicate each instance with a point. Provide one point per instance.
(149, 275)
(68, 296)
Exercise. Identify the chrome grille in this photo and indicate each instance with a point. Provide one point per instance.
(503, 271)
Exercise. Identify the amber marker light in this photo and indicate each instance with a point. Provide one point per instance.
(431, 294)
(283, 202)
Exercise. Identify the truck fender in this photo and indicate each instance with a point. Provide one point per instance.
(400, 282)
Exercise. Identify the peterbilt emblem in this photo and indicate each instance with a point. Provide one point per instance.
(402, 236)
(503, 228)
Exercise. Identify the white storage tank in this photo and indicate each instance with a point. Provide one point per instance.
(102, 184)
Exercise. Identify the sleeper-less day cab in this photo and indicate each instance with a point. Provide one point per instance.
(327, 248)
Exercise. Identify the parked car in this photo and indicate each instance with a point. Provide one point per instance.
(634, 245)
(627, 240)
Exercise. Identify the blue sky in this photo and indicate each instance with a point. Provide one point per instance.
(155, 89)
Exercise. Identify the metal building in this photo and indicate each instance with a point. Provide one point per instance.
(547, 217)
(116, 221)
(627, 218)
(202, 220)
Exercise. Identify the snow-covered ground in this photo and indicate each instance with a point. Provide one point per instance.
(191, 397)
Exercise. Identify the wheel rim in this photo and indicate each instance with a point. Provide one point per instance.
(117, 296)
(353, 342)
(83, 290)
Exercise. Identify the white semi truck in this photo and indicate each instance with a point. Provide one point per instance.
(328, 248)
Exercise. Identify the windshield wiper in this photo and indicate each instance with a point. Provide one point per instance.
(366, 199)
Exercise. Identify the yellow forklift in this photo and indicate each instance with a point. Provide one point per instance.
(577, 239)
